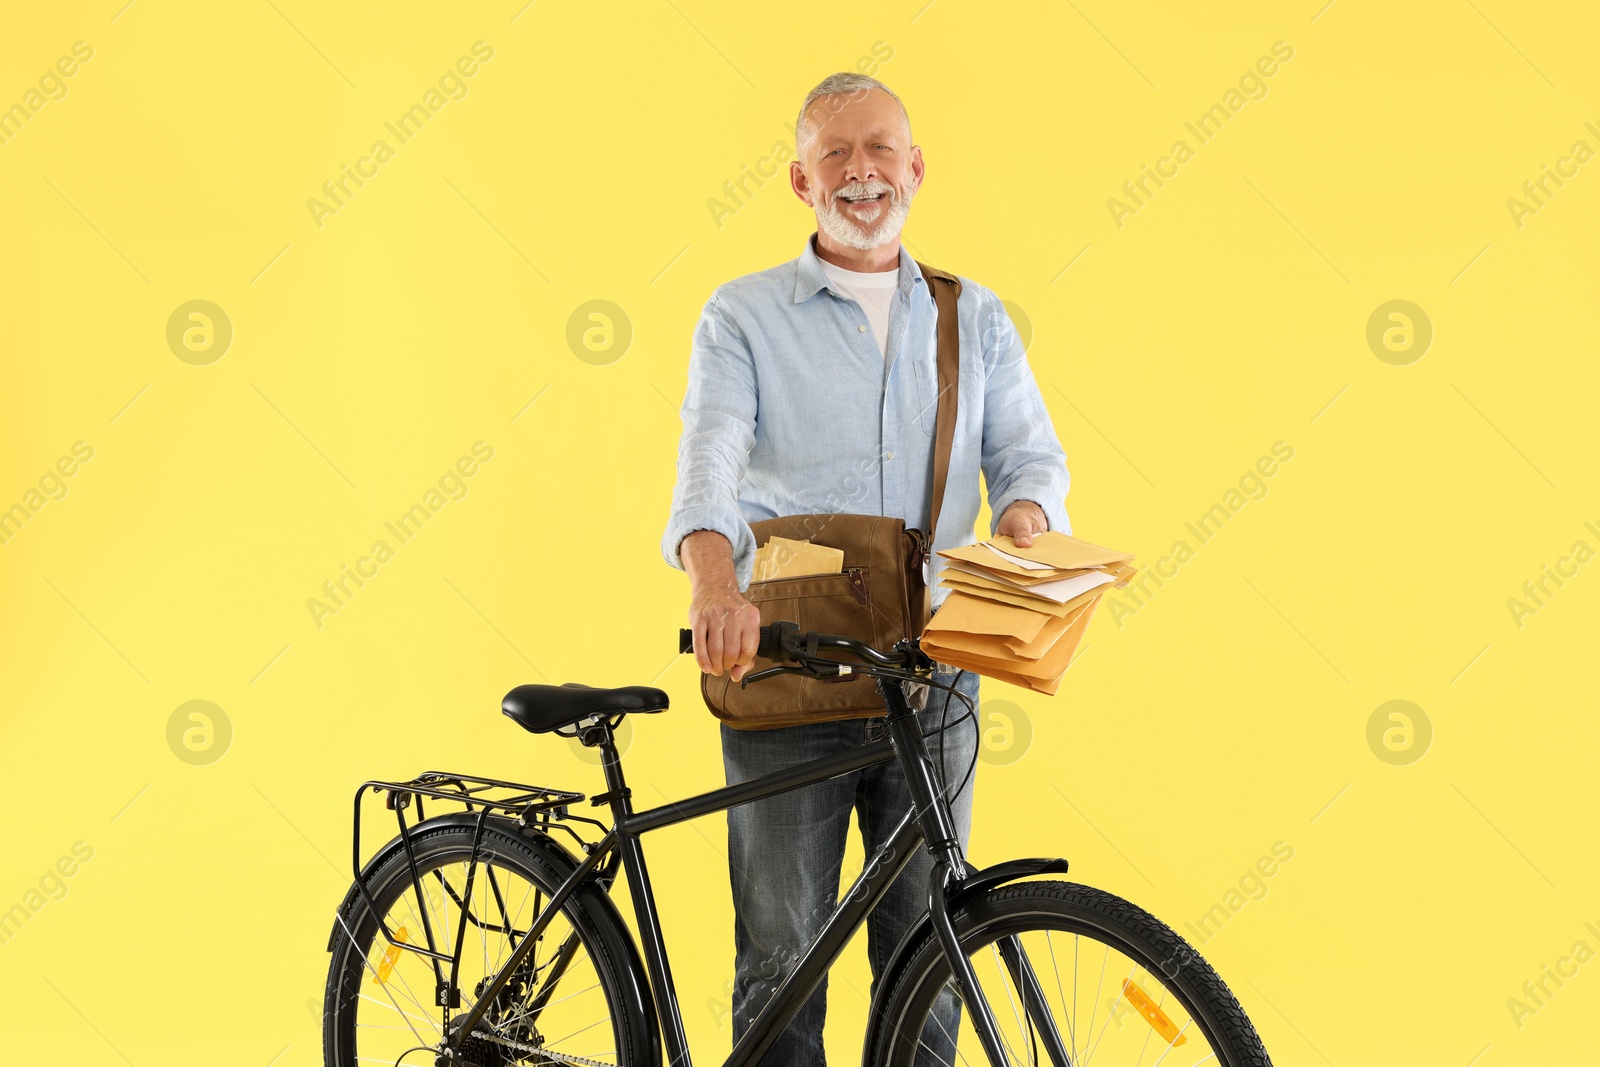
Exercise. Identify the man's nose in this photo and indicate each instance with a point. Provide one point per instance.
(859, 167)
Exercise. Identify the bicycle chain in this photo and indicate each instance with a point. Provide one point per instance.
(581, 1061)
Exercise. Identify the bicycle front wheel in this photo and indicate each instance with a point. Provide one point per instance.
(567, 1004)
(1073, 976)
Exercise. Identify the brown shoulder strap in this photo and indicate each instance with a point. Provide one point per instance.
(944, 287)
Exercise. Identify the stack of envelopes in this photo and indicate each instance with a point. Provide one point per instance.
(1018, 614)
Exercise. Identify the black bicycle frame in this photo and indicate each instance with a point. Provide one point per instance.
(929, 820)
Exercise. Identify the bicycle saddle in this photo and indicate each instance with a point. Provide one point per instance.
(542, 708)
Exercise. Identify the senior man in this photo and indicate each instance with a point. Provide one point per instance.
(813, 388)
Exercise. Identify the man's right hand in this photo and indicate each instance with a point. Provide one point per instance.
(727, 629)
(726, 626)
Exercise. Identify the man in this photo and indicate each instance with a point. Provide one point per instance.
(813, 388)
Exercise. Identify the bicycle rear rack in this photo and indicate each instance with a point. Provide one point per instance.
(535, 807)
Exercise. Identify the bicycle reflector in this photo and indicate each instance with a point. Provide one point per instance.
(1152, 1013)
(390, 954)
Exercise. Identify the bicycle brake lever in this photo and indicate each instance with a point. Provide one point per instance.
(807, 670)
(768, 673)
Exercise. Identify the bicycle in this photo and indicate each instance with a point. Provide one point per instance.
(556, 977)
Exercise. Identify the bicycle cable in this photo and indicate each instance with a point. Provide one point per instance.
(882, 671)
(972, 713)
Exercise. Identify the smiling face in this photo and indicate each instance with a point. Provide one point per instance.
(858, 170)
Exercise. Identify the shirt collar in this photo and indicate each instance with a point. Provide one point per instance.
(809, 277)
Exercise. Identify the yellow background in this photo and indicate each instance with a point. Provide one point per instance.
(1230, 312)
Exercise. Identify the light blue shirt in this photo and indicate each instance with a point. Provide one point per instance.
(791, 409)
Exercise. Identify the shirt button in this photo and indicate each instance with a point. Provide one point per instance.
(889, 454)
(861, 329)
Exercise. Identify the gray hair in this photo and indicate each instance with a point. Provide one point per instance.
(843, 82)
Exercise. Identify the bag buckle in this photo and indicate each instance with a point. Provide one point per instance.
(857, 585)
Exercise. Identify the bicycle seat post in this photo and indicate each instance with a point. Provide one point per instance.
(597, 733)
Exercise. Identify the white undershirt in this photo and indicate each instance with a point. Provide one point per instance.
(874, 291)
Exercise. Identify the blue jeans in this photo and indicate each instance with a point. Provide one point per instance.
(785, 853)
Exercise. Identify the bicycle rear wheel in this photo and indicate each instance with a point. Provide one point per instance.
(1074, 976)
(568, 1004)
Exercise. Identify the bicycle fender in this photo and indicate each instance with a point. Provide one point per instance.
(634, 976)
(970, 886)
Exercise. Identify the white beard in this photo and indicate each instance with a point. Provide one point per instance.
(882, 225)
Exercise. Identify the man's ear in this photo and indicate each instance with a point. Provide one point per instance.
(798, 182)
(918, 168)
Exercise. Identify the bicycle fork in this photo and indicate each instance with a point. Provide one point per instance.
(938, 828)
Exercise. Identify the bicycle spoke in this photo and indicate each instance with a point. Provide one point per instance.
(1172, 1046)
(994, 950)
(1073, 1029)
(1110, 1014)
(392, 1007)
(1072, 1040)
(953, 1044)
(1094, 1005)
(569, 996)
(1152, 1030)
(407, 991)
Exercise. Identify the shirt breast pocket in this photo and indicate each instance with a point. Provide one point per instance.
(926, 396)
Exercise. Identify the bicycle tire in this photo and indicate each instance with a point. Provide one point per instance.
(1029, 908)
(438, 844)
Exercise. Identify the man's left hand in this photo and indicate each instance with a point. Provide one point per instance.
(1021, 521)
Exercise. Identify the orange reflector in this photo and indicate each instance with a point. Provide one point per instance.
(391, 954)
(1152, 1014)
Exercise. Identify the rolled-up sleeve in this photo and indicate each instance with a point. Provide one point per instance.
(1022, 458)
(719, 421)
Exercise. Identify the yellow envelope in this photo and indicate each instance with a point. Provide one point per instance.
(978, 556)
(1047, 636)
(1046, 669)
(1052, 663)
(974, 615)
(1047, 686)
(982, 647)
(1024, 656)
(1060, 550)
(956, 581)
(956, 572)
(1057, 589)
(783, 557)
(1041, 577)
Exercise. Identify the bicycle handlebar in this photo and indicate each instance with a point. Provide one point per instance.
(785, 642)
(772, 645)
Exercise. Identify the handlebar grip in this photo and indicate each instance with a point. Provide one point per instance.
(767, 648)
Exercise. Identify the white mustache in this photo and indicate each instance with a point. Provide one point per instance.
(865, 189)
